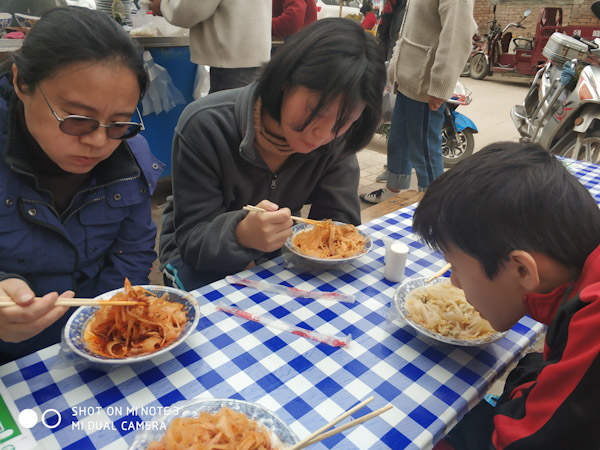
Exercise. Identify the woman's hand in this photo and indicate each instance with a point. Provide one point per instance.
(28, 317)
(265, 231)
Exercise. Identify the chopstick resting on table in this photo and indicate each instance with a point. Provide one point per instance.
(294, 292)
(7, 301)
(322, 432)
(440, 272)
(269, 321)
(296, 218)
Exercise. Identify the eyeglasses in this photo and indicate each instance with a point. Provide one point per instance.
(75, 125)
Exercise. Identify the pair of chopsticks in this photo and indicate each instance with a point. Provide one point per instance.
(7, 301)
(440, 272)
(320, 434)
(296, 218)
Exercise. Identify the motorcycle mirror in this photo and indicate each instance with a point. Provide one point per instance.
(494, 2)
(526, 13)
(596, 9)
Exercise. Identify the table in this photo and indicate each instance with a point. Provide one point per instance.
(306, 384)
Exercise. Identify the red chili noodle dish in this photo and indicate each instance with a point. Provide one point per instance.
(122, 331)
(330, 241)
(227, 429)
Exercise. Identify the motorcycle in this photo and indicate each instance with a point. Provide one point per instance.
(562, 107)
(457, 131)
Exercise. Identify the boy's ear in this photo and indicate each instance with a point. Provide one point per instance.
(15, 84)
(526, 269)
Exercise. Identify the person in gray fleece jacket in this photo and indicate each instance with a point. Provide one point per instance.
(287, 140)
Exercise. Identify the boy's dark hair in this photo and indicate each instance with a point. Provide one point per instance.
(506, 197)
(335, 57)
(70, 35)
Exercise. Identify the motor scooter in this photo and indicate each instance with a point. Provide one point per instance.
(457, 131)
(561, 110)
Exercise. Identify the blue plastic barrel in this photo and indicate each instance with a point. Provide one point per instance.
(160, 128)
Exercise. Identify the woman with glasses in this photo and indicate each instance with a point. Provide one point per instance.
(75, 176)
(287, 140)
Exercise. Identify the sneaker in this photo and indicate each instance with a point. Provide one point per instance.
(377, 196)
(382, 178)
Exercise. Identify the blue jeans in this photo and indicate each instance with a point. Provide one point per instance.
(222, 79)
(415, 141)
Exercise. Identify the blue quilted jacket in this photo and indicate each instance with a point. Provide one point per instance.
(105, 235)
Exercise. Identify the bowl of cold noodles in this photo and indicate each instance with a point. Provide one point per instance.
(215, 423)
(159, 321)
(440, 313)
(330, 244)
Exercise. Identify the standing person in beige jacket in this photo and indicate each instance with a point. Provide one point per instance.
(433, 44)
(233, 37)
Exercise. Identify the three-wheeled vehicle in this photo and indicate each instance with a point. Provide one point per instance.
(526, 58)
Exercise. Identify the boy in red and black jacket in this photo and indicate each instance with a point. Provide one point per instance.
(523, 236)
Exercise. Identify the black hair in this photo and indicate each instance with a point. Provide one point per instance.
(335, 57)
(510, 196)
(73, 34)
(365, 9)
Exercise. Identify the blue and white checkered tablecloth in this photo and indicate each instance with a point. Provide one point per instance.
(306, 384)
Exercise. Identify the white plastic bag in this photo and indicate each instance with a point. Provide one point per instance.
(162, 95)
(389, 100)
(201, 82)
(90, 4)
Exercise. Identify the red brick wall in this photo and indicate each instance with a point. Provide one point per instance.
(575, 12)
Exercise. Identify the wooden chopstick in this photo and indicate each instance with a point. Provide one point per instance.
(296, 218)
(7, 301)
(320, 434)
(439, 273)
(326, 427)
(348, 425)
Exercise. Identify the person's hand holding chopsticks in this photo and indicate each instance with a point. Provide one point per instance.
(28, 317)
(265, 231)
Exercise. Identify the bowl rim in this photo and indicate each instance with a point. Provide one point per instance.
(193, 405)
(27, 16)
(132, 359)
(399, 303)
(302, 227)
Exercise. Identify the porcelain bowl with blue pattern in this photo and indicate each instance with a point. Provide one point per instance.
(192, 408)
(25, 20)
(425, 334)
(5, 19)
(325, 263)
(74, 330)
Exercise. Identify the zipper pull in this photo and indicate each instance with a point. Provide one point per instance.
(274, 182)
